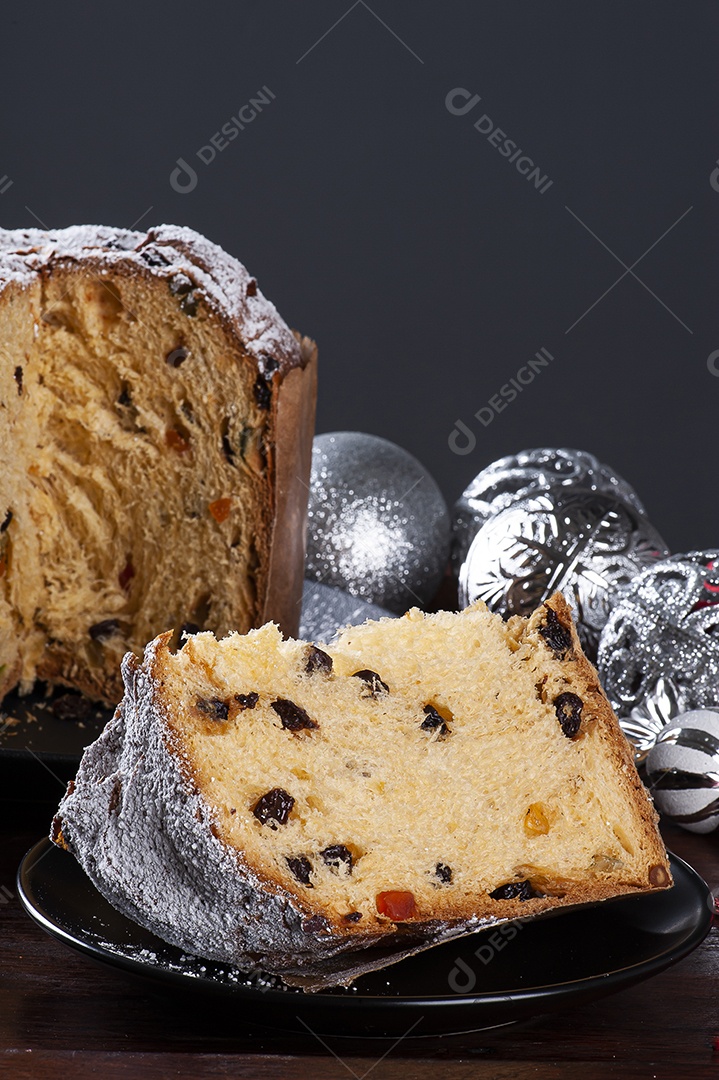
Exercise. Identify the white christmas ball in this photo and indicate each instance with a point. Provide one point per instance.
(683, 770)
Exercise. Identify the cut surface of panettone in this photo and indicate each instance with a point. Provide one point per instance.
(156, 421)
(317, 812)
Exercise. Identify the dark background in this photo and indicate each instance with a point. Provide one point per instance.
(427, 268)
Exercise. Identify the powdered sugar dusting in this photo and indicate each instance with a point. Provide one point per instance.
(223, 280)
(144, 836)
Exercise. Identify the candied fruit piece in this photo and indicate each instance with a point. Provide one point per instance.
(176, 441)
(568, 708)
(536, 822)
(658, 876)
(220, 509)
(273, 807)
(293, 717)
(398, 905)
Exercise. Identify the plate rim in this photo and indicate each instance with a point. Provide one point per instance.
(625, 976)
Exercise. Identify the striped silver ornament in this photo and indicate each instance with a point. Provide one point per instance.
(683, 770)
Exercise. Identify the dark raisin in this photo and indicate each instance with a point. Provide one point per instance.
(153, 257)
(268, 364)
(71, 707)
(338, 857)
(352, 916)
(274, 806)
(433, 720)
(189, 303)
(371, 678)
(102, 631)
(252, 287)
(125, 400)
(263, 392)
(443, 872)
(180, 285)
(317, 660)
(126, 575)
(247, 701)
(115, 796)
(556, 634)
(515, 890)
(18, 378)
(301, 867)
(293, 717)
(316, 924)
(569, 713)
(177, 356)
(214, 708)
(187, 630)
(6, 522)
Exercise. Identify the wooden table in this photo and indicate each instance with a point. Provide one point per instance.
(63, 1016)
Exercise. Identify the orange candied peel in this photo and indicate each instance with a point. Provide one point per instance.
(220, 509)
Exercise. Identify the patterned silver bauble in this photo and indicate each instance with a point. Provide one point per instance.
(587, 544)
(658, 708)
(665, 626)
(378, 525)
(326, 609)
(683, 770)
(530, 472)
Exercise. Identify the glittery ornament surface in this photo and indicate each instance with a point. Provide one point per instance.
(665, 626)
(325, 609)
(528, 473)
(586, 544)
(378, 526)
(683, 770)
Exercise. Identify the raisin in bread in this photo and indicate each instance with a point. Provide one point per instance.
(156, 420)
(322, 812)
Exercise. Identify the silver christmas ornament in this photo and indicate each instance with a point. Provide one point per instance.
(658, 708)
(528, 473)
(378, 526)
(326, 609)
(683, 770)
(587, 544)
(665, 626)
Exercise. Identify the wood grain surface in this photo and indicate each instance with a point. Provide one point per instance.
(62, 1015)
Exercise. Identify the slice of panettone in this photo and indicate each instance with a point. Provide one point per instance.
(321, 812)
(156, 422)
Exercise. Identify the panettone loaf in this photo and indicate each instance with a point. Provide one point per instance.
(321, 812)
(156, 419)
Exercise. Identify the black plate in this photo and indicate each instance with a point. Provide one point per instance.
(53, 726)
(489, 979)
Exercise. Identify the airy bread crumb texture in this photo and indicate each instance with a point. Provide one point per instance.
(429, 774)
(136, 439)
